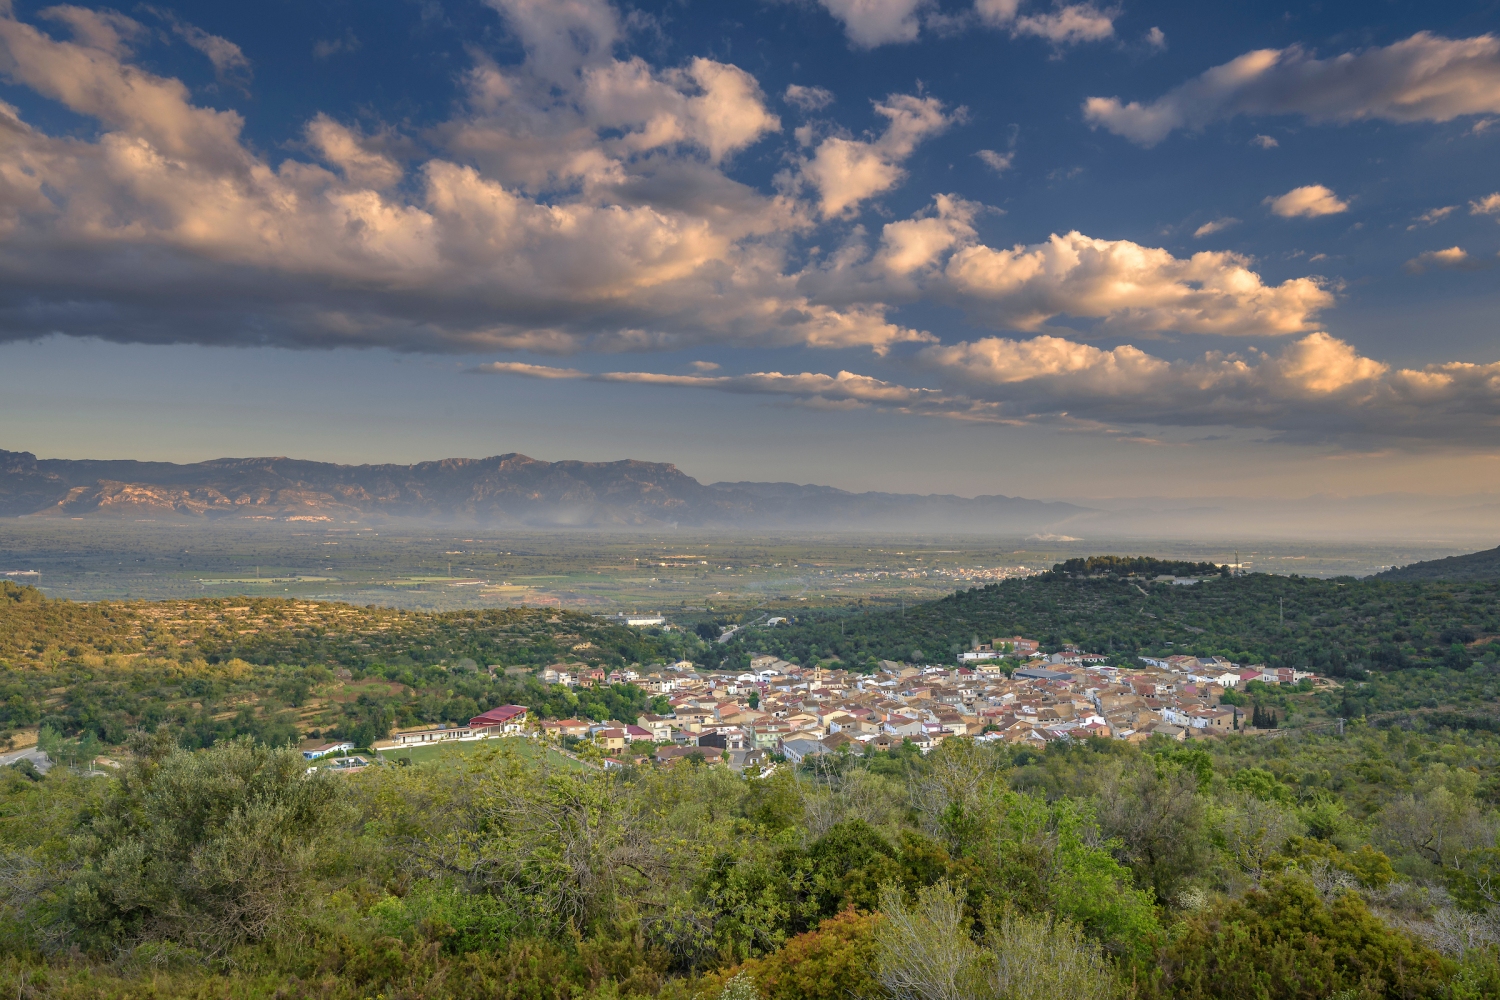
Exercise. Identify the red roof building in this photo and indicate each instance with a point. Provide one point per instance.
(505, 719)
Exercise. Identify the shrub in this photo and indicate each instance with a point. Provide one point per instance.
(1284, 943)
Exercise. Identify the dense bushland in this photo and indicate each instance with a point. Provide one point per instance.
(1309, 867)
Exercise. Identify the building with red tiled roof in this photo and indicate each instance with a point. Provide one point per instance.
(504, 719)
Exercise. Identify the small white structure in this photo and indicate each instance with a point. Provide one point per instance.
(324, 749)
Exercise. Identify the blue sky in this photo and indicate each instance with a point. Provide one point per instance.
(1026, 247)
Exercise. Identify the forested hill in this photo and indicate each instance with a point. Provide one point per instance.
(1338, 627)
(38, 632)
(1474, 566)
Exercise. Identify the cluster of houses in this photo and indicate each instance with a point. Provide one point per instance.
(779, 708)
(801, 712)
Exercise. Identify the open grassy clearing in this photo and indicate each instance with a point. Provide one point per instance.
(461, 751)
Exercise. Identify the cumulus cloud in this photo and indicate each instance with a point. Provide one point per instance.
(918, 244)
(998, 162)
(105, 30)
(1264, 142)
(997, 13)
(1422, 78)
(1488, 205)
(846, 172)
(352, 154)
(1307, 202)
(1065, 24)
(869, 23)
(1068, 25)
(1127, 286)
(1318, 390)
(562, 37)
(579, 200)
(1214, 226)
(1452, 259)
(230, 63)
(807, 98)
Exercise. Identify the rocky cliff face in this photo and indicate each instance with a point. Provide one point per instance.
(512, 490)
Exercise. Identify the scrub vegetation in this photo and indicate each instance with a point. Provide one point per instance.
(1356, 861)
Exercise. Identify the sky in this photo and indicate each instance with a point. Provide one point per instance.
(1033, 247)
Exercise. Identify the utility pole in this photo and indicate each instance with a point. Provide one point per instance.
(1282, 601)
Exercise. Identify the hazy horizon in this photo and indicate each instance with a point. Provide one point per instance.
(1450, 522)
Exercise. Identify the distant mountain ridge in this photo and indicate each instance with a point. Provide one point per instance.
(1473, 566)
(504, 490)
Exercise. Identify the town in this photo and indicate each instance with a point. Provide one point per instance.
(1006, 690)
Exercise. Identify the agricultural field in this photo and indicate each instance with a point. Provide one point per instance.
(430, 568)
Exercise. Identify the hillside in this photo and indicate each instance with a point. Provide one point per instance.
(278, 669)
(1473, 566)
(1337, 627)
(506, 490)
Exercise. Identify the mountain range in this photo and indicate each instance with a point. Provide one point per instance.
(505, 490)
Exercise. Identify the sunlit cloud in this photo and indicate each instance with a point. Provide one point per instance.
(1307, 202)
(807, 98)
(579, 201)
(846, 172)
(1214, 226)
(1317, 391)
(1064, 24)
(1128, 287)
(1488, 205)
(1423, 78)
(1451, 259)
(582, 199)
(871, 23)
(1068, 25)
(998, 162)
(1432, 217)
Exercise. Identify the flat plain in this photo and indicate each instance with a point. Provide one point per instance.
(428, 567)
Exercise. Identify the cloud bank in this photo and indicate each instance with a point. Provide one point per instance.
(1318, 390)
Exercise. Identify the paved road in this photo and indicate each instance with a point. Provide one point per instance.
(42, 761)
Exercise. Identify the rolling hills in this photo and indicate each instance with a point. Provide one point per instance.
(1472, 566)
